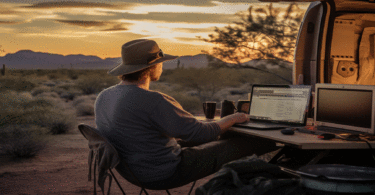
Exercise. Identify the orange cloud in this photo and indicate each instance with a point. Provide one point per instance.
(9, 22)
(69, 4)
(82, 23)
(7, 12)
(117, 27)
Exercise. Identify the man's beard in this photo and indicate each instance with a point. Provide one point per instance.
(154, 77)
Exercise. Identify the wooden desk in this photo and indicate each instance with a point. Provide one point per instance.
(304, 141)
(303, 149)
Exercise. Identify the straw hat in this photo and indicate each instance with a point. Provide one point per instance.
(138, 55)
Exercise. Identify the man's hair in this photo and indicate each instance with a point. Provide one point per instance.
(136, 76)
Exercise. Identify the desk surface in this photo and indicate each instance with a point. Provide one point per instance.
(300, 140)
(304, 140)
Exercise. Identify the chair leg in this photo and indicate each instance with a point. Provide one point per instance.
(142, 191)
(191, 189)
(117, 182)
(168, 192)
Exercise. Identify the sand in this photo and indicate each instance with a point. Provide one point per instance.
(62, 168)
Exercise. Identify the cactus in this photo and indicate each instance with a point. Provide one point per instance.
(3, 70)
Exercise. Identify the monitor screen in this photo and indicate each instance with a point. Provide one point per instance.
(344, 106)
(283, 104)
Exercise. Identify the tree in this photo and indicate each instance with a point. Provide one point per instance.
(1, 50)
(262, 33)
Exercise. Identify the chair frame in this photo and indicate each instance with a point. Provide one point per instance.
(139, 184)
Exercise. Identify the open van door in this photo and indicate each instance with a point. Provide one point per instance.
(335, 43)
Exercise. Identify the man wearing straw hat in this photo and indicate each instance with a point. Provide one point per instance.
(143, 125)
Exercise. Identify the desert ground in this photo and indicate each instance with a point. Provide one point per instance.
(61, 168)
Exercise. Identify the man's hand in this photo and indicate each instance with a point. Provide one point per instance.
(240, 117)
(232, 119)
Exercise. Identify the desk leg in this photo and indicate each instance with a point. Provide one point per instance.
(318, 157)
(278, 155)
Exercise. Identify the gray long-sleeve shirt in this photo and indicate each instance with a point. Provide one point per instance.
(142, 125)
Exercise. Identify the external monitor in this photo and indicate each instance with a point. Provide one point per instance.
(348, 107)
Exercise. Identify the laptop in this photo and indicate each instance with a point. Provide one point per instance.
(278, 106)
(343, 108)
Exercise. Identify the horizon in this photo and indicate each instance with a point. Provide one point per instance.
(88, 55)
(99, 28)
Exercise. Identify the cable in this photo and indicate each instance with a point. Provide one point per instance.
(371, 149)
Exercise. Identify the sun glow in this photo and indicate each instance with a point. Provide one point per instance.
(55, 28)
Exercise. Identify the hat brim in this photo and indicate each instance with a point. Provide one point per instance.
(123, 69)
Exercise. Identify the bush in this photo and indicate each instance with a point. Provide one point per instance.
(62, 124)
(93, 84)
(44, 112)
(70, 94)
(85, 105)
(42, 89)
(206, 81)
(68, 86)
(48, 95)
(22, 141)
(191, 104)
(16, 84)
(85, 109)
(84, 98)
(56, 120)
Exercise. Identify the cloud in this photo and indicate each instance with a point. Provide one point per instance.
(187, 39)
(117, 27)
(9, 22)
(7, 12)
(182, 17)
(195, 30)
(69, 4)
(82, 23)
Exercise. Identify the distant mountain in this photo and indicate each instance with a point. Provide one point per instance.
(27, 59)
(197, 61)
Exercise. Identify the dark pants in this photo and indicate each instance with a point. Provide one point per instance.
(200, 161)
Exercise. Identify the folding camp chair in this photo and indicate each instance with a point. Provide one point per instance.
(106, 158)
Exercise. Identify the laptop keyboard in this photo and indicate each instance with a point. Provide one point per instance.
(261, 124)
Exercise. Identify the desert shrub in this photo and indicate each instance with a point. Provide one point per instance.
(84, 98)
(22, 141)
(37, 103)
(93, 84)
(73, 76)
(48, 94)
(67, 86)
(85, 109)
(62, 124)
(44, 112)
(25, 95)
(85, 105)
(191, 104)
(16, 84)
(70, 94)
(38, 90)
(206, 81)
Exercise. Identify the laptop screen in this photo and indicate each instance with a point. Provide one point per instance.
(351, 107)
(283, 103)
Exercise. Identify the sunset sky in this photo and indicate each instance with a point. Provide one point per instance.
(93, 27)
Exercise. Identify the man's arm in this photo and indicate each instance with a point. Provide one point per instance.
(230, 120)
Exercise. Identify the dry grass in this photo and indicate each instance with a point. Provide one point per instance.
(22, 141)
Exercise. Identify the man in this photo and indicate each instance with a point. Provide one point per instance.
(143, 126)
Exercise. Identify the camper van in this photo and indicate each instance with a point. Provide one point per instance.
(336, 43)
